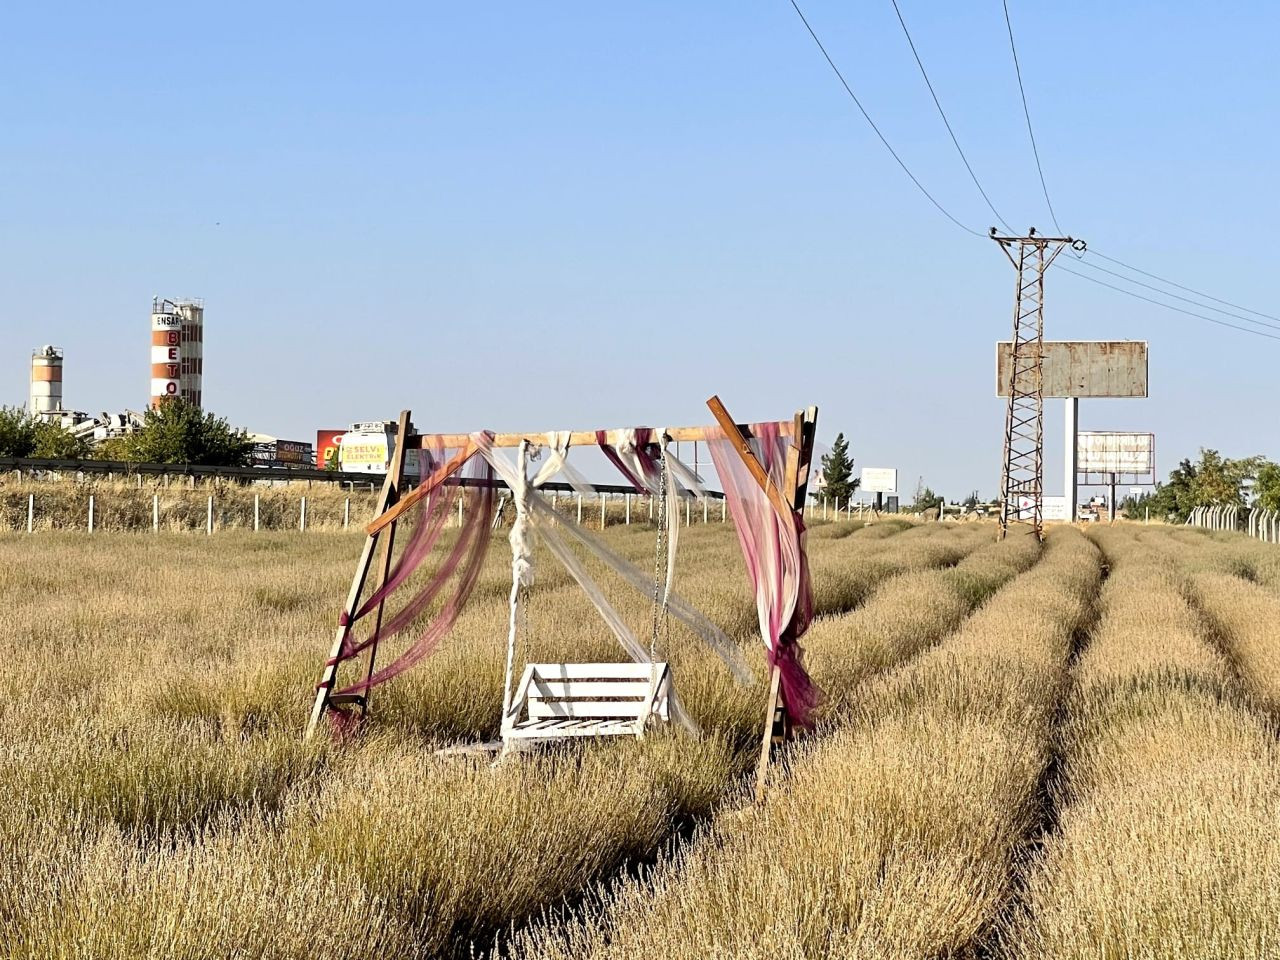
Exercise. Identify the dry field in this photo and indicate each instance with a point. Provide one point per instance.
(1057, 751)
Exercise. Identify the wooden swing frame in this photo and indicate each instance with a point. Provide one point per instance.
(393, 502)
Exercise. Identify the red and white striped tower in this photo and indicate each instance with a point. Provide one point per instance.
(192, 378)
(166, 351)
(46, 381)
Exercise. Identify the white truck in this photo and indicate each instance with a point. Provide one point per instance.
(369, 446)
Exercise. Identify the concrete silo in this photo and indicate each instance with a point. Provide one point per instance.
(46, 381)
(166, 351)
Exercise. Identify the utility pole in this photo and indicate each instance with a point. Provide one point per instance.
(1023, 470)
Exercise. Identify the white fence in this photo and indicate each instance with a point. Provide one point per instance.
(108, 509)
(1260, 524)
(1264, 525)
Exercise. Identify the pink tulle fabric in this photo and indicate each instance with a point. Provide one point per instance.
(461, 565)
(777, 566)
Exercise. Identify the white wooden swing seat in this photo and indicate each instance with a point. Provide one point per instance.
(556, 700)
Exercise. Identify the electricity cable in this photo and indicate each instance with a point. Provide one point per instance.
(1173, 283)
(943, 114)
(1027, 113)
(1167, 306)
(1035, 150)
(866, 116)
(1195, 303)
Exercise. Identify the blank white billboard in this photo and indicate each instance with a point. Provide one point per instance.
(879, 480)
(1131, 454)
(1081, 368)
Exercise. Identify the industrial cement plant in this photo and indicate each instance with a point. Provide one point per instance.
(177, 372)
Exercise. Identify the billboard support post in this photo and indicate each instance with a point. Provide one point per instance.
(1071, 458)
(1072, 369)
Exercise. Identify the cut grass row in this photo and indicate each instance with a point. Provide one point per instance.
(1165, 842)
(895, 836)
(183, 809)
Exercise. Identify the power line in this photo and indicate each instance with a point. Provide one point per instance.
(1196, 303)
(1027, 113)
(866, 116)
(1172, 283)
(942, 113)
(946, 213)
(1168, 306)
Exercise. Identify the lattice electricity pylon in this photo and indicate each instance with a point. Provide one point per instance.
(1023, 473)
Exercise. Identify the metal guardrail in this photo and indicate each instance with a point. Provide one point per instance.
(128, 469)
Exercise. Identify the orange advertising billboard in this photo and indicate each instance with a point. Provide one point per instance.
(327, 448)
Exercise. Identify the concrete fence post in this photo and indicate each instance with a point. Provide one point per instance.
(627, 501)
(346, 513)
(604, 502)
(724, 509)
(31, 512)
(257, 513)
(91, 513)
(208, 517)
(579, 509)
(155, 513)
(302, 514)
(705, 506)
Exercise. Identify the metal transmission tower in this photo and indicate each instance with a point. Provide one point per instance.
(1022, 479)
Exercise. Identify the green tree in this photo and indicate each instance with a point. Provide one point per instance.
(838, 482)
(1266, 486)
(1135, 507)
(179, 432)
(22, 435)
(17, 432)
(55, 442)
(1174, 500)
(926, 499)
(1220, 480)
(1215, 479)
(113, 448)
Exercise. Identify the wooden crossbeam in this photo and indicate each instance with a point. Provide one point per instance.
(466, 449)
(390, 515)
(577, 438)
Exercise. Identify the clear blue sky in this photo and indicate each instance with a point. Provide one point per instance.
(517, 215)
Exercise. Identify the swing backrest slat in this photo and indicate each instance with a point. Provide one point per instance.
(624, 690)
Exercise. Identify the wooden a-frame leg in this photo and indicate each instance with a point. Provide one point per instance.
(329, 675)
(777, 729)
(395, 470)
